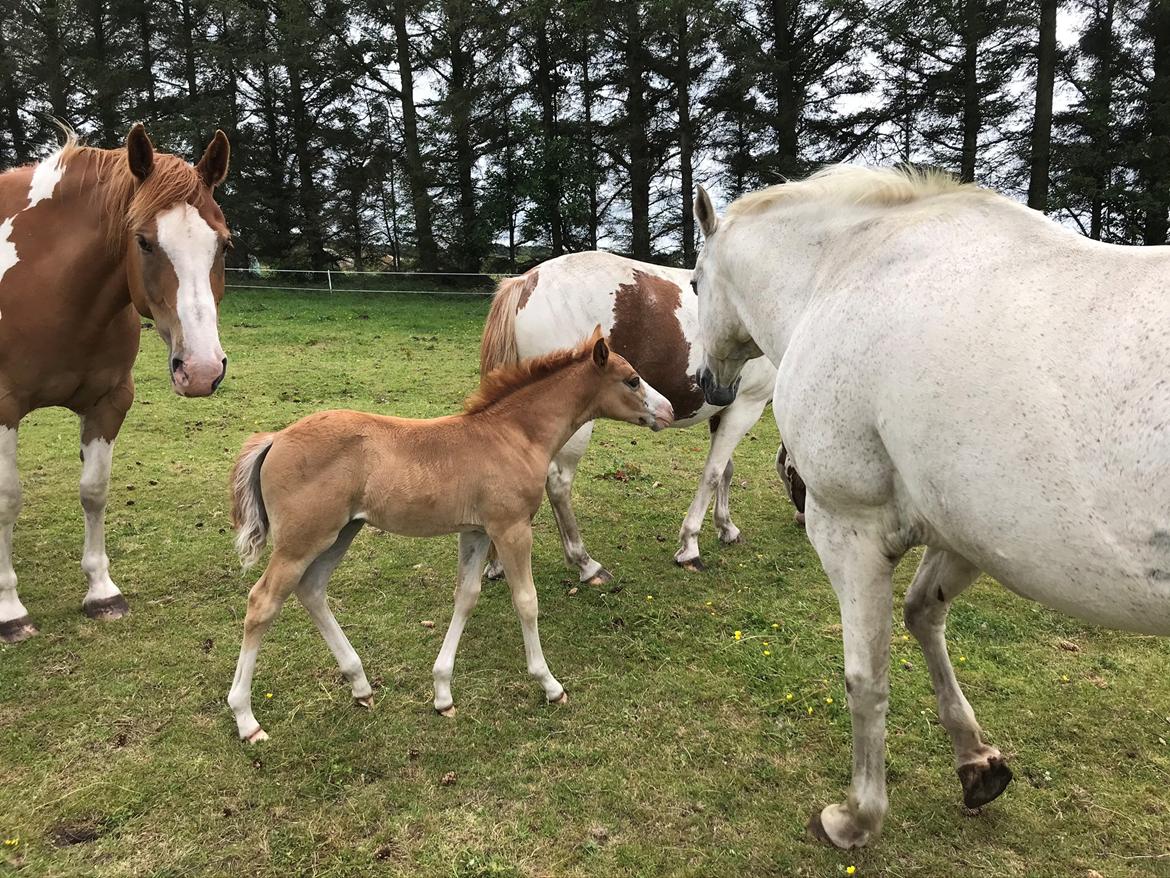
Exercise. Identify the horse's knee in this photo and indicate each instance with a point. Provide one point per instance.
(869, 693)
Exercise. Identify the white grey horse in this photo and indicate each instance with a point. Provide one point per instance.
(959, 372)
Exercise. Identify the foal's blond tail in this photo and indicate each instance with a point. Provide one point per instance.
(249, 517)
(499, 333)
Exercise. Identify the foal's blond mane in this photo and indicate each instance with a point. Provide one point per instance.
(854, 184)
(127, 203)
(506, 380)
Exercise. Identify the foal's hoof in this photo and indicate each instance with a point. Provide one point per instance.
(563, 698)
(16, 630)
(694, 565)
(448, 711)
(983, 782)
(367, 702)
(601, 577)
(256, 737)
(834, 826)
(113, 607)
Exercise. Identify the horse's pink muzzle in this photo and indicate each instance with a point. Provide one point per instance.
(663, 416)
(197, 377)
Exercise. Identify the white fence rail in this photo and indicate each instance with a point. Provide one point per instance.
(443, 283)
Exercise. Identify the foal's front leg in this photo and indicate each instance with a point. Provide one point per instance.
(861, 576)
(99, 428)
(515, 549)
(15, 623)
(473, 549)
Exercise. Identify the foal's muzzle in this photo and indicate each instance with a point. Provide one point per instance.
(715, 393)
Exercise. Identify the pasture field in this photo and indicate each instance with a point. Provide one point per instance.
(682, 751)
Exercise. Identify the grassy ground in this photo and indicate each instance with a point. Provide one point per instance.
(682, 752)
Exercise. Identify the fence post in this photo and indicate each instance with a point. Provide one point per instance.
(329, 277)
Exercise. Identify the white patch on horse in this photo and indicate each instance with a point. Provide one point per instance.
(190, 244)
(8, 256)
(10, 605)
(45, 179)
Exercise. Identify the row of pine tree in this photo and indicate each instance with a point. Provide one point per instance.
(470, 136)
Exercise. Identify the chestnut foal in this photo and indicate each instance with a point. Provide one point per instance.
(480, 474)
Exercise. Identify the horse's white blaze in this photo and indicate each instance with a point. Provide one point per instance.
(10, 605)
(190, 244)
(95, 481)
(45, 178)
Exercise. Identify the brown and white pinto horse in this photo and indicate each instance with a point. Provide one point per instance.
(650, 315)
(89, 240)
(479, 474)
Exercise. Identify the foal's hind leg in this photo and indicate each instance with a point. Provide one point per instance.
(311, 593)
(264, 602)
(941, 577)
(15, 624)
(473, 548)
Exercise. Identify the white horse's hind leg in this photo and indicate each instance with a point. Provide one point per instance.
(728, 428)
(473, 548)
(941, 577)
(15, 624)
(861, 576)
(311, 593)
(103, 599)
(559, 484)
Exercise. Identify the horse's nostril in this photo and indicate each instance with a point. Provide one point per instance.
(215, 384)
(176, 364)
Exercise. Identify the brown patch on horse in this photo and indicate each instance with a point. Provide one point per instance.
(531, 279)
(507, 379)
(646, 332)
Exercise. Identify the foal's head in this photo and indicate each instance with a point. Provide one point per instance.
(175, 239)
(622, 394)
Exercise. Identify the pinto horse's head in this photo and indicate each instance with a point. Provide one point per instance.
(176, 240)
(726, 342)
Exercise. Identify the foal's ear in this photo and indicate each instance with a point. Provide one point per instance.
(600, 353)
(705, 212)
(139, 152)
(213, 167)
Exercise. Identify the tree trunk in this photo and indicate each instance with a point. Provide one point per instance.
(1157, 175)
(146, 54)
(54, 61)
(191, 75)
(685, 145)
(1100, 113)
(637, 125)
(973, 14)
(307, 197)
(468, 254)
(546, 92)
(415, 171)
(103, 93)
(10, 108)
(787, 96)
(1041, 157)
(587, 90)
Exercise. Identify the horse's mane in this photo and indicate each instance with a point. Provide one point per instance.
(858, 185)
(506, 380)
(127, 203)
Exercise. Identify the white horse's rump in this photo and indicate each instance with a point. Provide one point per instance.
(956, 371)
(650, 315)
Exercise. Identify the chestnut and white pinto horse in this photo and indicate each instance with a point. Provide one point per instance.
(89, 240)
(650, 317)
(956, 371)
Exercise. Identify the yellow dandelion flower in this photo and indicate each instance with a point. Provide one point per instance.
(789, 697)
(11, 842)
(905, 636)
(810, 710)
(709, 603)
(850, 870)
(649, 597)
(739, 635)
(829, 700)
(962, 658)
(267, 694)
(1064, 678)
(767, 652)
(775, 625)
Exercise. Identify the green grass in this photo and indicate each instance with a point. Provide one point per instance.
(679, 753)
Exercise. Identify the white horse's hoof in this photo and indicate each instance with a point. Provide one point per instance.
(694, 565)
(448, 711)
(834, 826)
(257, 736)
(16, 630)
(601, 577)
(563, 698)
(366, 701)
(113, 607)
(984, 781)
(730, 536)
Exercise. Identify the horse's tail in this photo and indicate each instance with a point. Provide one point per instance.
(249, 517)
(499, 333)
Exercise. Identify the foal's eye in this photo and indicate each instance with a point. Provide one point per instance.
(633, 383)
(144, 245)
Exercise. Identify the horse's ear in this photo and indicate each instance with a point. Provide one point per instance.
(705, 212)
(213, 167)
(139, 152)
(600, 353)
(596, 334)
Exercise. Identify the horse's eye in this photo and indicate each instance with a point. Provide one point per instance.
(144, 245)
(633, 383)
